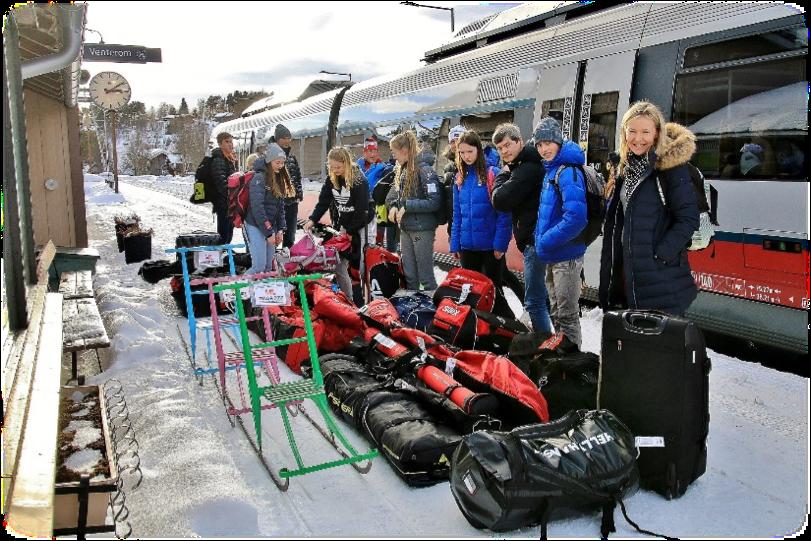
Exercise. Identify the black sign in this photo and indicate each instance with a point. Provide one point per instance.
(128, 54)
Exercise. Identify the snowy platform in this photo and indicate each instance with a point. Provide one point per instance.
(209, 482)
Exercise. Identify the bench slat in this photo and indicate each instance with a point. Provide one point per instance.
(83, 327)
(76, 284)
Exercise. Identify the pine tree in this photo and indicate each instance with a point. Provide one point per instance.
(184, 107)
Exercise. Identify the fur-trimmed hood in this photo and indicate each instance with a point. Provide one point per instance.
(680, 145)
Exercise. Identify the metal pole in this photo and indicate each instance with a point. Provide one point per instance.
(115, 154)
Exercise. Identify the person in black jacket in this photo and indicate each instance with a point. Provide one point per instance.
(223, 164)
(650, 218)
(283, 138)
(517, 190)
(349, 191)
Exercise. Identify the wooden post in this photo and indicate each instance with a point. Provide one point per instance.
(115, 153)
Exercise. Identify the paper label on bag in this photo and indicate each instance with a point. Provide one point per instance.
(208, 259)
(649, 441)
(271, 294)
(228, 295)
(385, 340)
(470, 485)
(431, 188)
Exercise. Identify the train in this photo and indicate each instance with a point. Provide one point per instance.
(734, 73)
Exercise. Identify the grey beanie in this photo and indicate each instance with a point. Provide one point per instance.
(548, 129)
(281, 132)
(274, 152)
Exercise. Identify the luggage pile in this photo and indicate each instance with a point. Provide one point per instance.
(526, 427)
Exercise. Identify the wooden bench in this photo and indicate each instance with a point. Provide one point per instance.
(82, 328)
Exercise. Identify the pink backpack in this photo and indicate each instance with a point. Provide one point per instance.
(307, 255)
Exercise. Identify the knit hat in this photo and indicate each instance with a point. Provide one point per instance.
(274, 152)
(281, 132)
(548, 129)
(455, 133)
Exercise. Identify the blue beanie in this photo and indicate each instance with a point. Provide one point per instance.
(548, 129)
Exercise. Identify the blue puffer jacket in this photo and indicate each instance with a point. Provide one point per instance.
(644, 261)
(476, 224)
(263, 206)
(562, 213)
(373, 173)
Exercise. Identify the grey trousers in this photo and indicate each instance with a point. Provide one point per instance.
(342, 270)
(564, 285)
(417, 251)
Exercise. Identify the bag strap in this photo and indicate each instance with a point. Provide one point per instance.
(636, 527)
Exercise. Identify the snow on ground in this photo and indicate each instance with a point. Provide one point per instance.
(202, 479)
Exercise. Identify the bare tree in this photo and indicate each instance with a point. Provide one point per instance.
(137, 155)
(192, 140)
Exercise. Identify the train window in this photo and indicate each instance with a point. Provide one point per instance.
(554, 108)
(750, 121)
(788, 39)
(602, 117)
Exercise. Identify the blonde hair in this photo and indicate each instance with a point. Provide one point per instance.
(279, 183)
(249, 161)
(406, 141)
(641, 108)
(351, 169)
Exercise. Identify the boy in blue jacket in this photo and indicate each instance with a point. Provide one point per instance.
(561, 217)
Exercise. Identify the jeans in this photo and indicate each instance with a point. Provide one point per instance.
(485, 262)
(225, 227)
(564, 284)
(291, 217)
(417, 252)
(262, 251)
(535, 291)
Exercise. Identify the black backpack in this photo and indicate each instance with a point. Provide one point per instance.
(441, 214)
(203, 185)
(595, 201)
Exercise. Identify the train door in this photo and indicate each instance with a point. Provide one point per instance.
(604, 98)
(588, 98)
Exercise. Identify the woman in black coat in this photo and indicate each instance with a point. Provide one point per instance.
(651, 217)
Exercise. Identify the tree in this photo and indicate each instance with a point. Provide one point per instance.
(137, 156)
(192, 141)
(184, 107)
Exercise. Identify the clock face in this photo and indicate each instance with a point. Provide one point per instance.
(109, 90)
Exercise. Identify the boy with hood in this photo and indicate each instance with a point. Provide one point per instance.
(562, 215)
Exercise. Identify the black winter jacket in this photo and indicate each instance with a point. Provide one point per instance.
(518, 191)
(352, 203)
(644, 255)
(221, 169)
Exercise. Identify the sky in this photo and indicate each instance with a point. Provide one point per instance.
(218, 47)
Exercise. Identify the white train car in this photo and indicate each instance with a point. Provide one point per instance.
(732, 72)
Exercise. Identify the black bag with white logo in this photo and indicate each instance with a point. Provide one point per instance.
(654, 374)
(580, 462)
(416, 310)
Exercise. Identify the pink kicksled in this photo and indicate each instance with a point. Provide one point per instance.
(309, 256)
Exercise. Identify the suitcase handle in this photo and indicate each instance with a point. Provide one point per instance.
(649, 323)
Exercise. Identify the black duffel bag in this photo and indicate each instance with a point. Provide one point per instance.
(347, 383)
(580, 462)
(408, 434)
(568, 381)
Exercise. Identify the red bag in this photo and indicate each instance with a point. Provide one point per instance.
(467, 287)
(383, 312)
(487, 372)
(468, 328)
(238, 196)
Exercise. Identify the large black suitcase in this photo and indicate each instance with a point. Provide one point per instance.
(654, 375)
